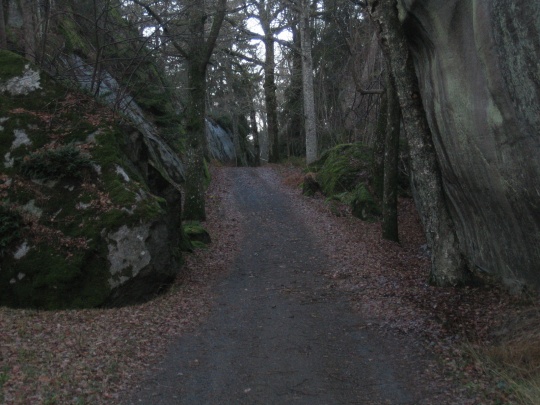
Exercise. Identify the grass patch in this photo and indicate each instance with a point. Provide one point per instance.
(514, 359)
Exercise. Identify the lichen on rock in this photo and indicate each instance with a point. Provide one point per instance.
(95, 214)
(25, 84)
(128, 253)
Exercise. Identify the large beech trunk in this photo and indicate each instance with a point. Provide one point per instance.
(271, 100)
(307, 84)
(448, 264)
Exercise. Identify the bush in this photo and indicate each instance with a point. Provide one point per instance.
(65, 161)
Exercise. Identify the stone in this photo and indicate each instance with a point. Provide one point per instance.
(477, 65)
(108, 238)
(22, 85)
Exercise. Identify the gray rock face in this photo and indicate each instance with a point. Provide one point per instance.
(477, 64)
(22, 85)
(108, 238)
(220, 143)
(161, 155)
(140, 262)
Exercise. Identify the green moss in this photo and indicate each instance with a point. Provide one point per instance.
(53, 274)
(68, 30)
(363, 204)
(199, 245)
(64, 161)
(342, 167)
(10, 225)
(47, 279)
(195, 232)
(108, 154)
(344, 174)
(11, 65)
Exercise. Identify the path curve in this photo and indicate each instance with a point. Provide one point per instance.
(278, 334)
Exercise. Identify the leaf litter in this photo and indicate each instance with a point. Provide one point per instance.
(97, 356)
(387, 282)
(93, 356)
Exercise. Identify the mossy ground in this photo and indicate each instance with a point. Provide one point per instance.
(344, 174)
(66, 265)
(197, 235)
(11, 65)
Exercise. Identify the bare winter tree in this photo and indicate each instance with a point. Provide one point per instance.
(200, 30)
(269, 14)
(310, 119)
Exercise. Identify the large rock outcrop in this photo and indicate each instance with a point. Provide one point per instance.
(477, 64)
(91, 208)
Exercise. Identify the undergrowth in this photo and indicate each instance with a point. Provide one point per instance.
(65, 161)
(515, 358)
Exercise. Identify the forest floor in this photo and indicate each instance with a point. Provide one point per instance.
(295, 301)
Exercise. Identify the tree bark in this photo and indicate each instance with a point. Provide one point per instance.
(197, 51)
(293, 96)
(255, 133)
(198, 56)
(378, 148)
(448, 267)
(271, 99)
(194, 208)
(45, 31)
(3, 34)
(27, 10)
(391, 154)
(240, 160)
(307, 84)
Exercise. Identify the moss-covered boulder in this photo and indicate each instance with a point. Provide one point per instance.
(196, 233)
(90, 212)
(344, 173)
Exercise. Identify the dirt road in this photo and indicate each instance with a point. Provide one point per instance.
(278, 333)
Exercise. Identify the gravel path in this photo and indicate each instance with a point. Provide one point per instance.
(279, 333)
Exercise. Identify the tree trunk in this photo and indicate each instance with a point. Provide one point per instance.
(271, 100)
(448, 265)
(200, 51)
(307, 84)
(378, 148)
(255, 133)
(391, 155)
(27, 10)
(194, 208)
(45, 30)
(3, 35)
(240, 160)
(294, 98)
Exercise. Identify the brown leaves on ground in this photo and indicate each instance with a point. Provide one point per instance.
(387, 282)
(93, 356)
(96, 356)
